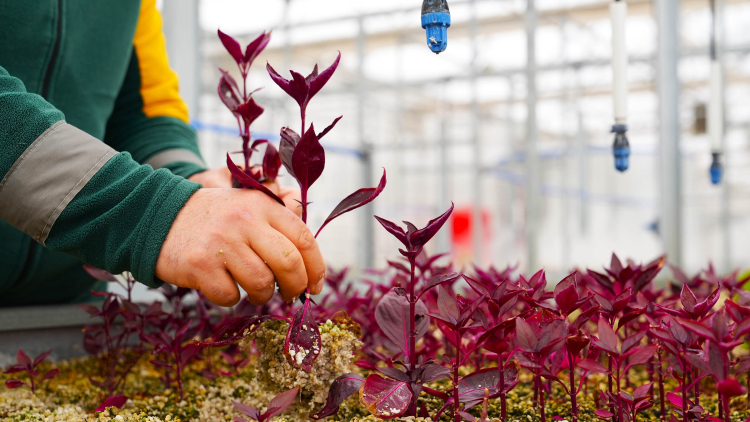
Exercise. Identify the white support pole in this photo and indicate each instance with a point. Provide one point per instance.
(532, 160)
(476, 141)
(670, 222)
(367, 228)
(619, 13)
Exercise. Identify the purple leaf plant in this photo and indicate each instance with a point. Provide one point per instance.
(25, 364)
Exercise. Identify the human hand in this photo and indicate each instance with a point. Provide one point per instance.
(225, 237)
(218, 177)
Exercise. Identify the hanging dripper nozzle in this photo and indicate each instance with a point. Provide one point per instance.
(621, 148)
(716, 170)
(436, 18)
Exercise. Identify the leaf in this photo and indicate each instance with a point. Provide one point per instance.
(112, 401)
(308, 159)
(255, 47)
(280, 403)
(592, 366)
(447, 306)
(249, 111)
(607, 336)
(289, 140)
(232, 47)
(394, 229)
(642, 391)
(352, 202)
(249, 182)
(303, 341)
(99, 274)
(247, 410)
(271, 163)
(730, 387)
(697, 328)
(228, 91)
(687, 298)
(604, 414)
(439, 279)
(526, 337)
(52, 373)
(392, 316)
(385, 398)
(433, 372)
(341, 388)
(40, 358)
(642, 355)
(235, 330)
(14, 383)
(395, 374)
(23, 359)
(318, 82)
(420, 237)
(328, 129)
(566, 299)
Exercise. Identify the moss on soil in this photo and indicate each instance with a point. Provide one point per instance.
(71, 397)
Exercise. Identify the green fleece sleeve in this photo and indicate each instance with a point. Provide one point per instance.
(150, 129)
(23, 117)
(120, 219)
(73, 193)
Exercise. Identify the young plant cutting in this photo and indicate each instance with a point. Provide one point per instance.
(415, 340)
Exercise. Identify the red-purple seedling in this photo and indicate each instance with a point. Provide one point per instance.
(276, 406)
(25, 364)
(170, 343)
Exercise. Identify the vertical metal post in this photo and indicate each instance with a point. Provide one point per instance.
(670, 223)
(532, 161)
(444, 173)
(476, 141)
(725, 213)
(511, 200)
(366, 238)
(182, 32)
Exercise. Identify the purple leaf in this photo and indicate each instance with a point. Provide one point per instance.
(420, 237)
(395, 374)
(232, 46)
(604, 414)
(394, 229)
(385, 398)
(642, 355)
(289, 140)
(235, 330)
(280, 403)
(248, 181)
(52, 373)
(730, 387)
(248, 411)
(687, 298)
(392, 316)
(14, 383)
(23, 359)
(271, 163)
(328, 129)
(228, 91)
(255, 47)
(40, 358)
(698, 329)
(592, 366)
(303, 342)
(447, 306)
(433, 372)
(439, 279)
(15, 368)
(642, 391)
(343, 387)
(112, 401)
(318, 82)
(607, 337)
(308, 159)
(352, 202)
(284, 84)
(99, 274)
(527, 339)
(90, 309)
(249, 111)
(567, 297)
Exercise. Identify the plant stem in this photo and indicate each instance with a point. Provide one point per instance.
(541, 391)
(661, 389)
(303, 197)
(619, 399)
(412, 326)
(571, 373)
(697, 391)
(503, 410)
(456, 363)
(747, 398)
(684, 390)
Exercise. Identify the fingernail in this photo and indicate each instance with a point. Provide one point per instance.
(321, 283)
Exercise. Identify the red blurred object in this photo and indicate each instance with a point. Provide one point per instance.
(462, 227)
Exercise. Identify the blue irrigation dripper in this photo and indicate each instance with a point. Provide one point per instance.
(436, 18)
(716, 170)
(621, 148)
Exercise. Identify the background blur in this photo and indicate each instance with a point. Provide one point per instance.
(511, 123)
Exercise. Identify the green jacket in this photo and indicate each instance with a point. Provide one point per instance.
(88, 109)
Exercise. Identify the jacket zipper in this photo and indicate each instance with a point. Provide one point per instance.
(45, 91)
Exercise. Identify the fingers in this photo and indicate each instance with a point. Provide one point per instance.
(273, 187)
(252, 274)
(283, 258)
(299, 234)
(219, 288)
